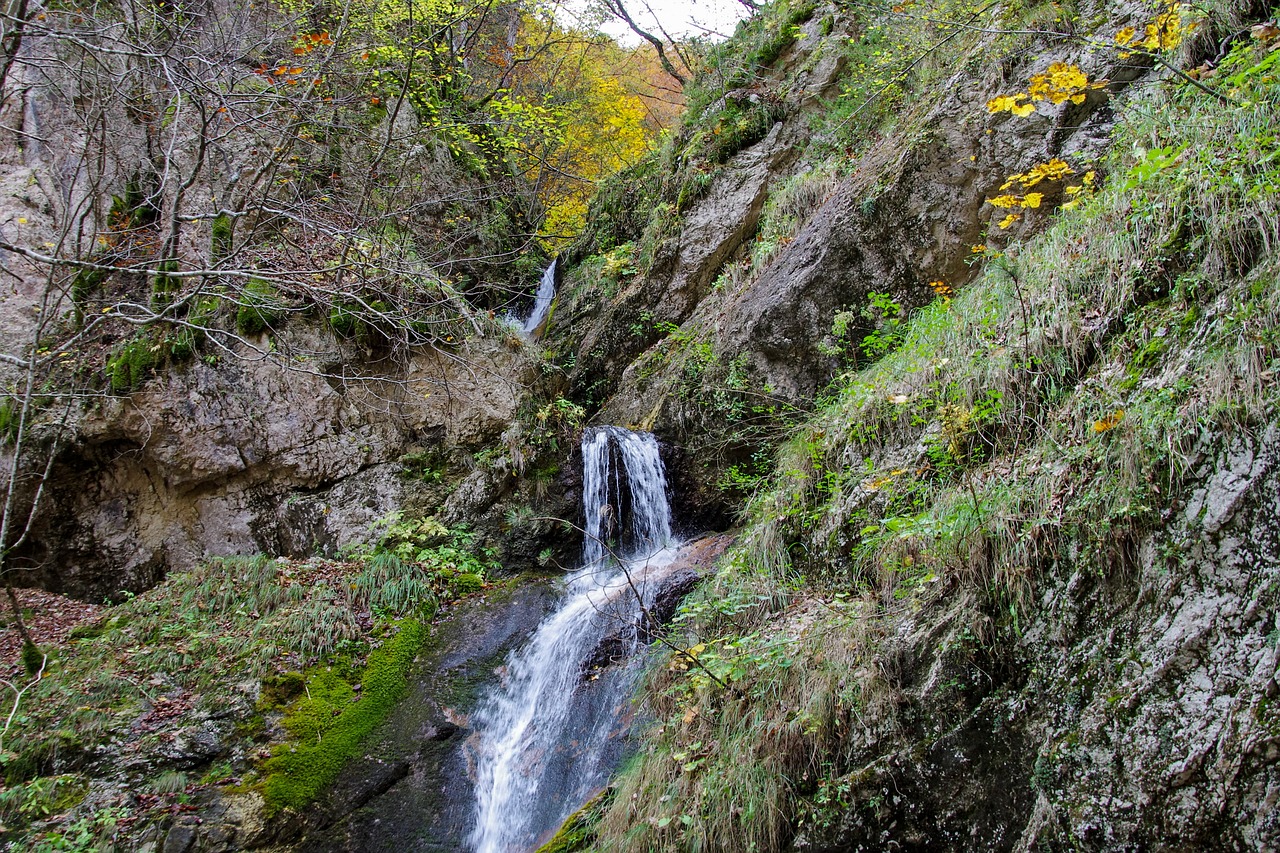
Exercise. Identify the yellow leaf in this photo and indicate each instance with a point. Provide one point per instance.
(1109, 422)
(1023, 111)
(1125, 35)
(1009, 220)
(1003, 103)
(1032, 199)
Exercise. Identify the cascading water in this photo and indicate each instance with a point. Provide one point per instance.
(545, 741)
(541, 301)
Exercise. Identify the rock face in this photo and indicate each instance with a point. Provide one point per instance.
(1138, 707)
(1131, 705)
(258, 455)
(606, 337)
(718, 345)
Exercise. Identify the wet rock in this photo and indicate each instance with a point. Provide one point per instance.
(384, 800)
(665, 589)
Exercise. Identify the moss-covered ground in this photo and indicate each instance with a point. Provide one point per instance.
(286, 665)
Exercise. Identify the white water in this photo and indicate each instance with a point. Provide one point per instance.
(541, 745)
(541, 301)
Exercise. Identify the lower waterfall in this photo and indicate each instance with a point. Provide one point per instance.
(543, 743)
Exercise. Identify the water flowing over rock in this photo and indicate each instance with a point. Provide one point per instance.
(542, 744)
(542, 301)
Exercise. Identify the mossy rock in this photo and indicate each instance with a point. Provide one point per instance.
(578, 832)
(329, 725)
(466, 582)
(280, 690)
(131, 363)
(260, 308)
(222, 235)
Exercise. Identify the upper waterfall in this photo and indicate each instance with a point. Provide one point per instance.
(639, 515)
(542, 300)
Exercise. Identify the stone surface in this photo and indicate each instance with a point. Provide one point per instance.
(257, 455)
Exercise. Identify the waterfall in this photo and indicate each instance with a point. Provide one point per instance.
(547, 737)
(542, 301)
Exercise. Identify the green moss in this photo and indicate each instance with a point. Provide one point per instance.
(328, 726)
(32, 658)
(344, 321)
(164, 286)
(181, 346)
(221, 237)
(86, 283)
(578, 832)
(279, 690)
(10, 419)
(134, 208)
(131, 363)
(466, 582)
(260, 308)
(781, 35)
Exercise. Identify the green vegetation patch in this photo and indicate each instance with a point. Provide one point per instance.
(260, 308)
(328, 724)
(578, 832)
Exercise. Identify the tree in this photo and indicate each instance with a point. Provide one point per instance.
(197, 181)
(619, 10)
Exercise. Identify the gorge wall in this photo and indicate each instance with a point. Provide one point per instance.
(1002, 478)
